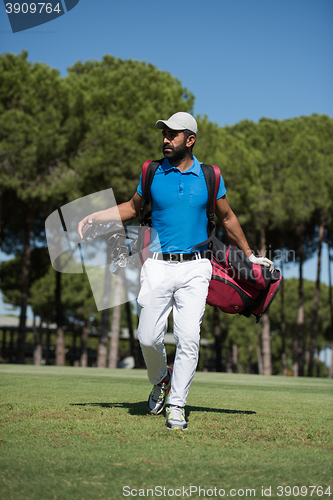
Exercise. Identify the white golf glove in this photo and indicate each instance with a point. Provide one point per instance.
(263, 261)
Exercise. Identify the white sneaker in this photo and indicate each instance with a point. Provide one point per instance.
(175, 416)
(158, 396)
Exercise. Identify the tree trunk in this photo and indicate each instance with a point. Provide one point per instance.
(0, 216)
(38, 349)
(102, 351)
(114, 337)
(3, 351)
(26, 264)
(229, 360)
(11, 345)
(84, 352)
(318, 363)
(266, 325)
(283, 328)
(314, 322)
(260, 362)
(249, 366)
(60, 355)
(330, 375)
(266, 345)
(299, 355)
(217, 336)
(115, 326)
(134, 343)
(263, 243)
(295, 352)
(234, 358)
(74, 360)
(47, 352)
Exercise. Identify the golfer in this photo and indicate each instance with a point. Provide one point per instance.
(180, 277)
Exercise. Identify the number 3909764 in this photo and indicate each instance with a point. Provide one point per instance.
(32, 8)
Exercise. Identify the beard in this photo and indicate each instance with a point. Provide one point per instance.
(176, 153)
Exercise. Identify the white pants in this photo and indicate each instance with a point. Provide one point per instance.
(183, 287)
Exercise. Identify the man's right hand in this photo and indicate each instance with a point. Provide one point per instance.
(87, 220)
(262, 261)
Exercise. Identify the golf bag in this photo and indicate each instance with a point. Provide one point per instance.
(239, 286)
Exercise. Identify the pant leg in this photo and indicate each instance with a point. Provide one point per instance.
(156, 300)
(188, 310)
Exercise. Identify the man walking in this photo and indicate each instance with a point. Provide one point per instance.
(180, 277)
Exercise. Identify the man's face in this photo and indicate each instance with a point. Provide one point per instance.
(174, 144)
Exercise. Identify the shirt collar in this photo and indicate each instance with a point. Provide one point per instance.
(194, 168)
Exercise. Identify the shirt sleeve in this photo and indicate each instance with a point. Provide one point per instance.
(139, 188)
(222, 190)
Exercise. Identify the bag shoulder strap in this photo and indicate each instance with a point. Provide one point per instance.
(212, 177)
(148, 171)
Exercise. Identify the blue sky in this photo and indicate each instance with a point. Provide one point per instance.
(242, 59)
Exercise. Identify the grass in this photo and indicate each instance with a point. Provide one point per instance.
(83, 433)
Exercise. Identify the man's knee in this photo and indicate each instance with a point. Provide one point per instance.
(189, 344)
(149, 340)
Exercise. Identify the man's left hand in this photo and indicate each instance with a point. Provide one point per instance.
(263, 261)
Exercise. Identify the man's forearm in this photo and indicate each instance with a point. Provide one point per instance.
(123, 212)
(119, 213)
(235, 233)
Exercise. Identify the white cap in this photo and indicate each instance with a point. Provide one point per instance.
(179, 121)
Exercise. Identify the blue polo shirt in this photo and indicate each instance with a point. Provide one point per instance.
(178, 206)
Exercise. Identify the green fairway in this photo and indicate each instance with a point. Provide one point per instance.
(83, 433)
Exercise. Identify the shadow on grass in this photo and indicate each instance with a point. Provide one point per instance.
(140, 408)
(190, 408)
